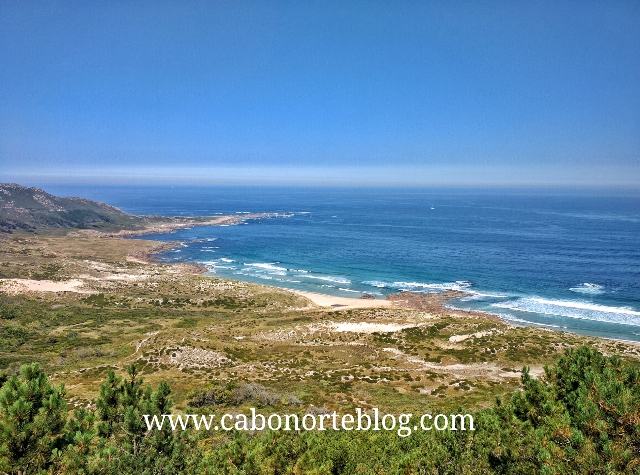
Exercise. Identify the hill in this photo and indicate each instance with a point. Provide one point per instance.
(33, 209)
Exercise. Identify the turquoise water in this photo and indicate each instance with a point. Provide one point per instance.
(563, 259)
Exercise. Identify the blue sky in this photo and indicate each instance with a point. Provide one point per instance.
(320, 92)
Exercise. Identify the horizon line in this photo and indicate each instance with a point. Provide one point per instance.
(463, 175)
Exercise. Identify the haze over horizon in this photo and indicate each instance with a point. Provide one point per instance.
(325, 93)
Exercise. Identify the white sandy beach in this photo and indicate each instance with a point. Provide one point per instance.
(324, 300)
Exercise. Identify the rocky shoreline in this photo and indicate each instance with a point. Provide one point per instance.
(434, 302)
(165, 225)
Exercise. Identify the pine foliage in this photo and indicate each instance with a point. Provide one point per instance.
(581, 416)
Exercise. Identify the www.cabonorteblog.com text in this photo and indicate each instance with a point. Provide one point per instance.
(404, 424)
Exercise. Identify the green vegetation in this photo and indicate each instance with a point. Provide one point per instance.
(580, 417)
(233, 394)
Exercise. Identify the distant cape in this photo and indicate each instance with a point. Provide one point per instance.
(34, 210)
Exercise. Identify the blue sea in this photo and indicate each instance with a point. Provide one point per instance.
(566, 259)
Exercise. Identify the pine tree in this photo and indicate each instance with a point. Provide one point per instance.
(32, 419)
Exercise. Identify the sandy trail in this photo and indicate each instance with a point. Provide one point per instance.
(466, 370)
(341, 303)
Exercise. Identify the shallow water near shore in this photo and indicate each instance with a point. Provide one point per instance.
(563, 259)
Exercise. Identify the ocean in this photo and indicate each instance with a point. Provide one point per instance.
(566, 259)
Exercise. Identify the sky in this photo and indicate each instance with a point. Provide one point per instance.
(335, 93)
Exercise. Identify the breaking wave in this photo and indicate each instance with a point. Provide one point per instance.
(328, 278)
(573, 309)
(420, 286)
(588, 289)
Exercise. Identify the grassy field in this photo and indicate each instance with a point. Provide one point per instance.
(197, 332)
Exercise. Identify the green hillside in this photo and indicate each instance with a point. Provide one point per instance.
(34, 210)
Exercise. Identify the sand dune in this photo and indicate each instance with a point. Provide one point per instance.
(18, 286)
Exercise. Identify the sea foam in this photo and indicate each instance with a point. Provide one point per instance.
(328, 278)
(420, 286)
(267, 267)
(588, 289)
(259, 269)
(573, 309)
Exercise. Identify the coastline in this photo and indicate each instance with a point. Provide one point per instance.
(142, 252)
(338, 255)
(137, 307)
(431, 302)
(170, 224)
(340, 303)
